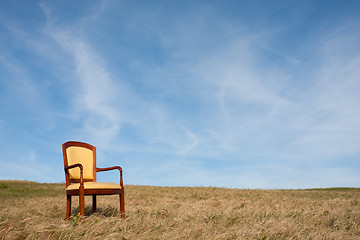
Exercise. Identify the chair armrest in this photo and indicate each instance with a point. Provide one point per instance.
(108, 168)
(66, 168)
(112, 168)
(74, 165)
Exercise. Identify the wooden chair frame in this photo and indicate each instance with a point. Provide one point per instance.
(81, 192)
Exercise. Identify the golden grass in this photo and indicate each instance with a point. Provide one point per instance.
(32, 210)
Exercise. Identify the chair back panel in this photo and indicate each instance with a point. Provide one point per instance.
(85, 157)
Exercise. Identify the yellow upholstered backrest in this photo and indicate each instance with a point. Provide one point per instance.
(83, 156)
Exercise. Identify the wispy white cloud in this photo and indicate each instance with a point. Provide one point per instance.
(200, 99)
(22, 87)
(329, 117)
(245, 109)
(91, 87)
(27, 165)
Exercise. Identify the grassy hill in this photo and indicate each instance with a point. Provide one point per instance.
(30, 210)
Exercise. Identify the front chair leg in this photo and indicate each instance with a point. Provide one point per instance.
(68, 207)
(94, 203)
(82, 201)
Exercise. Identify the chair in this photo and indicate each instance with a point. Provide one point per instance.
(80, 174)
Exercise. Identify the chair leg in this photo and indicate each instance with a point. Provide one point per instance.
(94, 203)
(122, 203)
(82, 201)
(68, 207)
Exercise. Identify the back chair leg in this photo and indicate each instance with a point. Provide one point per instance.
(68, 207)
(94, 203)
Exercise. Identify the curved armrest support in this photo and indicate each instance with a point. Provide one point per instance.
(112, 168)
(66, 168)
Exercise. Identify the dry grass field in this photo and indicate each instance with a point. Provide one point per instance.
(30, 210)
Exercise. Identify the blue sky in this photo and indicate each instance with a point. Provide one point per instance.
(245, 94)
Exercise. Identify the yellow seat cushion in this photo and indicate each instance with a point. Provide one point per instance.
(94, 185)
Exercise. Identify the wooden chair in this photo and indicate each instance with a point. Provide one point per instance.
(80, 174)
